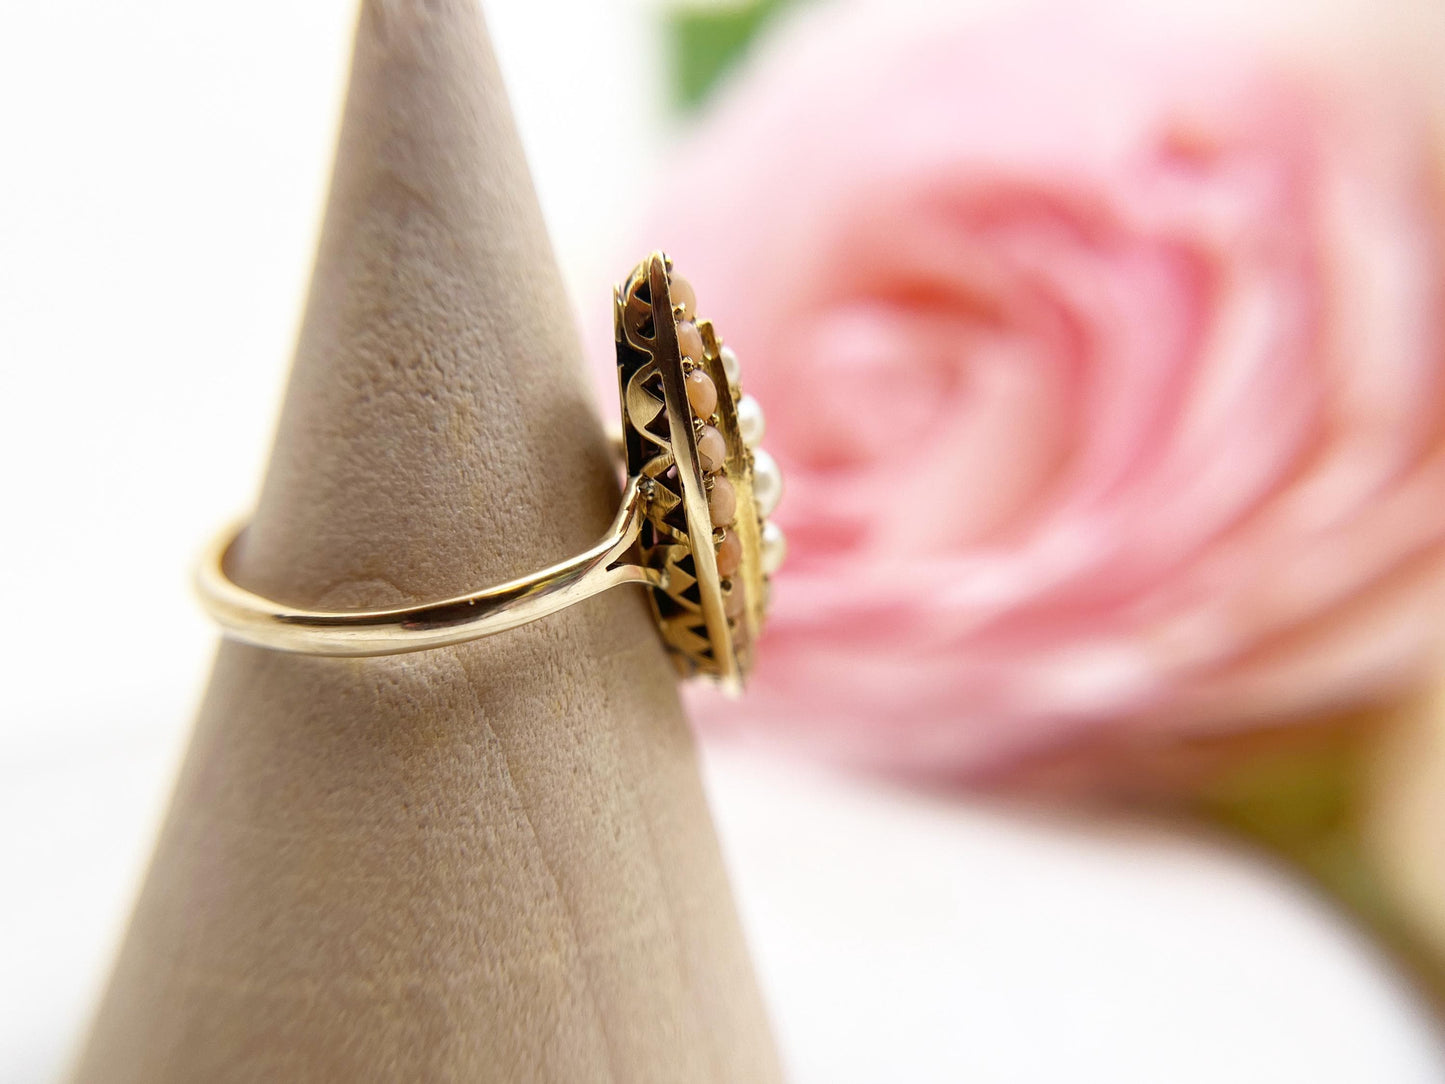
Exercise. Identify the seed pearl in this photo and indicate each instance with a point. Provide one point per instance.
(701, 393)
(682, 296)
(722, 502)
(774, 547)
(712, 449)
(767, 482)
(689, 340)
(729, 364)
(750, 421)
(735, 602)
(729, 553)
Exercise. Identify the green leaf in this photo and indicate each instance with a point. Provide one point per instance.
(705, 42)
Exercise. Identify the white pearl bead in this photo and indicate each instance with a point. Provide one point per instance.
(774, 547)
(729, 364)
(750, 421)
(767, 482)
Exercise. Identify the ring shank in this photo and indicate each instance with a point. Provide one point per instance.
(251, 618)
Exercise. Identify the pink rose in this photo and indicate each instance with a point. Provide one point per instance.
(1106, 376)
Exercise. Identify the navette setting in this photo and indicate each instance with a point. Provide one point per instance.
(691, 435)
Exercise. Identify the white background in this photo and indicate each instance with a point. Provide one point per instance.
(162, 166)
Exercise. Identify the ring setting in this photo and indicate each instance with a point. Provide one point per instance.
(693, 525)
(691, 434)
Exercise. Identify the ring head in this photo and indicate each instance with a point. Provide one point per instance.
(690, 435)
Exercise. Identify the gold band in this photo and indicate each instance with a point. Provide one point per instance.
(257, 620)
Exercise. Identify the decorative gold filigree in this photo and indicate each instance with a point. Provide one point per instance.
(660, 434)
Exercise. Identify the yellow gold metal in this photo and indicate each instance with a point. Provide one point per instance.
(663, 535)
(256, 620)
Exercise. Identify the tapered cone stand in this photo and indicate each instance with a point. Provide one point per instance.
(484, 863)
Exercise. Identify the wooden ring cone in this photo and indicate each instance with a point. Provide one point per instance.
(485, 862)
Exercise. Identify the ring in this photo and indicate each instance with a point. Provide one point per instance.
(693, 526)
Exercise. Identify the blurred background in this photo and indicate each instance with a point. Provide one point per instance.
(163, 173)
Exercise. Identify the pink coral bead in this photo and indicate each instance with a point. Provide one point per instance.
(712, 449)
(701, 393)
(729, 553)
(722, 502)
(689, 340)
(682, 295)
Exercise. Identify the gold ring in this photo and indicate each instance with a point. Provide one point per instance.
(693, 526)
